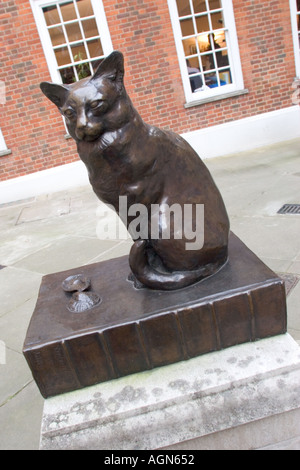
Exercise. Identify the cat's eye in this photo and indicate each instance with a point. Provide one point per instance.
(69, 113)
(96, 104)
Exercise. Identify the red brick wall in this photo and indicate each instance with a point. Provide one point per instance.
(142, 30)
(31, 127)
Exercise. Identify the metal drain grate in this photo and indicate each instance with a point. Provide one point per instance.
(290, 209)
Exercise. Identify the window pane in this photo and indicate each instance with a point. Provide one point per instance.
(90, 28)
(298, 5)
(187, 27)
(220, 39)
(196, 83)
(57, 35)
(203, 42)
(202, 24)
(215, 4)
(222, 59)
(79, 52)
(62, 56)
(208, 62)
(217, 20)
(68, 11)
(189, 46)
(211, 80)
(95, 48)
(85, 8)
(193, 65)
(68, 75)
(183, 7)
(225, 77)
(83, 71)
(199, 6)
(51, 15)
(73, 32)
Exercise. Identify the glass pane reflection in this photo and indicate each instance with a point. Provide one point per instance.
(184, 8)
(68, 11)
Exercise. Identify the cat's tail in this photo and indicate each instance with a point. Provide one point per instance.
(150, 277)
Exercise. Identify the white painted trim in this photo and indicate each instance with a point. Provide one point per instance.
(44, 182)
(244, 134)
(295, 35)
(2, 142)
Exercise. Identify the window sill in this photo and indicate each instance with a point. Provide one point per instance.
(3, 153)
(211, 99)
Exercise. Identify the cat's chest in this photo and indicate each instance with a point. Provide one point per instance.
(113, 173)
(108, 168)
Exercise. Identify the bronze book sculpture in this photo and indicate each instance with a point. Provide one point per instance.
(126, 157)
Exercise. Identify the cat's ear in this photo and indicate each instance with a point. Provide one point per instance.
(58, 94)
(111, 68)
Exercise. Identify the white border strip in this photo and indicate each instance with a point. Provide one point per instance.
(246, 134)
(44, 182)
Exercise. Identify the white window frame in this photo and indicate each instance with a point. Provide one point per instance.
(237, 86)
(39, 17)
(3, 148)
(293, 6)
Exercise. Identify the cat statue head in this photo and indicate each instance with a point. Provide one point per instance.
(94, 105)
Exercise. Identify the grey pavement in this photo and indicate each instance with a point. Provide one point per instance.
(58, 231)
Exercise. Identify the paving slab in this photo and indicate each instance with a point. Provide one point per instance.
(271, 237)
(17, 287)
(20, 420)
(65, 253)
(14, 376)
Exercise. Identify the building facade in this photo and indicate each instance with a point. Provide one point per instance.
(197, 67)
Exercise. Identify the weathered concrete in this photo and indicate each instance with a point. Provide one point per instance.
(250, 383)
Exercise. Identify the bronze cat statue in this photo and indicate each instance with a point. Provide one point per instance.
(126, 157)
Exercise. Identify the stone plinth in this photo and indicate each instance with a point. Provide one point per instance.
(244, 397)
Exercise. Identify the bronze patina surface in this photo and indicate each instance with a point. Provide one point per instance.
(126, 157)
(135, 330)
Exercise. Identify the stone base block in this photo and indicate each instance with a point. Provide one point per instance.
(136, 330)
(244, 397)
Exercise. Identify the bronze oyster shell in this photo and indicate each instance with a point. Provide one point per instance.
(76, 283)
(82, 301)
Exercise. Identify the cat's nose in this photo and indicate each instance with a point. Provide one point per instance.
(81, 126)
(81, 121)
